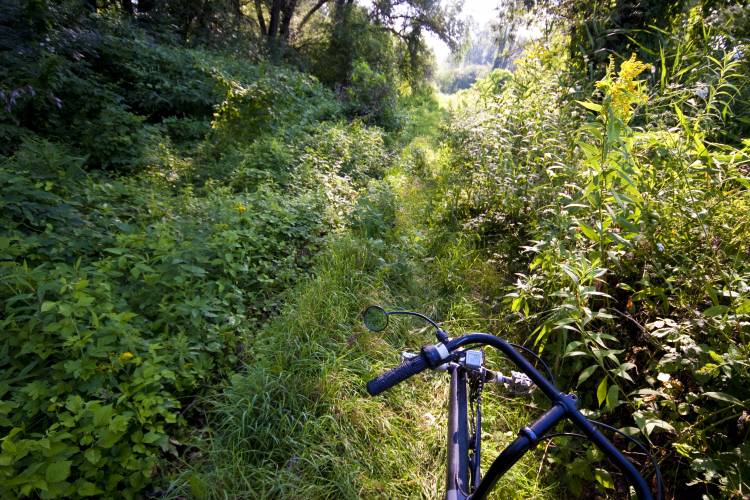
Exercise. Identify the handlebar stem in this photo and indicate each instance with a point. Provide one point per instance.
(441, 335)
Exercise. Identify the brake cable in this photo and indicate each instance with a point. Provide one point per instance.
(646, 450)
(539, 359)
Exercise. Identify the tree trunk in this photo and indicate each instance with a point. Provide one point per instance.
(261, 19)
(286, 18)
(273, 24)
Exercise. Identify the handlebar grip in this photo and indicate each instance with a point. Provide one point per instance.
(392, 377)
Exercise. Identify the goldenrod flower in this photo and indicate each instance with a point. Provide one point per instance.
(126, 356)
(631, 68)
(623, 90)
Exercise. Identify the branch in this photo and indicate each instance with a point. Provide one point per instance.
(311, 12)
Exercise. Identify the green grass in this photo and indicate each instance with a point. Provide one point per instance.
(298, 422)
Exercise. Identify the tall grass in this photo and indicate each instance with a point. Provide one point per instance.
(297, 422)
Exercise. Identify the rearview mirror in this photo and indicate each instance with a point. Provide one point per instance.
(375, 318)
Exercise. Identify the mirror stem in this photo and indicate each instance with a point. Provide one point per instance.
(441, 335)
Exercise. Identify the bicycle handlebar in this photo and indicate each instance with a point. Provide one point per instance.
(565, 406)
(392, 377)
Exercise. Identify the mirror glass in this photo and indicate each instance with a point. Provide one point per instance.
(375, 318)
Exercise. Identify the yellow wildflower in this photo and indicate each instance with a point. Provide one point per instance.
(623, 91)
(631, 68)
(240, 208)
(126, 356)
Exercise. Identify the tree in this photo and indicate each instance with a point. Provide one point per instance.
(280, 16)
(408, 18)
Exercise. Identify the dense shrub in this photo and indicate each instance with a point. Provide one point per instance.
(120, 300)
(372, 95)
(635, 273)
(279, 101)
(111, 92)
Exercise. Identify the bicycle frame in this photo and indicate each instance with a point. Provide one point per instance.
(564, 406)
(457, 469)
(460, 469)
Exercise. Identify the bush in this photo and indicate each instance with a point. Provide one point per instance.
(265, 160)
(372, 96)
(282, 100)
(120, 302)
(634, 278)
(349, 149)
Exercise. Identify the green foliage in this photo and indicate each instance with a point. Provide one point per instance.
(372, 95)
(375, 213)
(351, 149)
(276, 100)
(109, 91)
(493, 83)
(455, 79)
(121, 299)
(161, 204)
(634, 234)
(271, 425)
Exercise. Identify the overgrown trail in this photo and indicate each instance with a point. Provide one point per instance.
(298, 423)
(197, 205)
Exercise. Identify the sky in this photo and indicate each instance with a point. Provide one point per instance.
(480, 10)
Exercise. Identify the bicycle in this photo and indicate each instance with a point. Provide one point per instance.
(464, 479)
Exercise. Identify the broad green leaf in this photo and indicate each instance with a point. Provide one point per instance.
(108, 439)
(716, 311)
(194, 270)
(654, 423)
(93, 455)
(589, 232)
(722, 396)
(648, 424)
(48, 306)
(119, 423)
(58, 471)
(116, 251)
(151, 437)
(102, 415)
(585, 374)
(716, 357)
(601, 391)
(604, 477)
(591, 105)
(88, 489)
(612, 396)
(744, 307)
(569, 272)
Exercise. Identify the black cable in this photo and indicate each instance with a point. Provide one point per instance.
(646, 450)
(560, 434)
(538, 358)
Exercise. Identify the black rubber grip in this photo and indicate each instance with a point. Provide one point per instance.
(392, 377)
